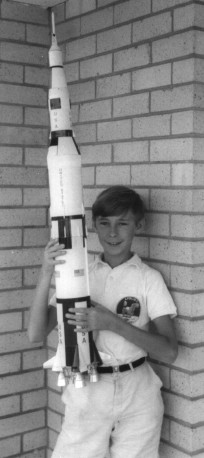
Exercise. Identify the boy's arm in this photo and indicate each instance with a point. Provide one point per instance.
(43, 318)
(162, 344)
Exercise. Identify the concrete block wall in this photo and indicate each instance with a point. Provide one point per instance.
(24, 41)
(135, 72)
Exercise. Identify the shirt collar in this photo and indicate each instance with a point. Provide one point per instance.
(133, 261)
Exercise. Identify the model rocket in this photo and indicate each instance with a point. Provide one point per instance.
(76, 352)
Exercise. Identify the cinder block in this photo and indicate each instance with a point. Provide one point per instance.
(199, 40)
(88, 176)
(11, 155)
(110, 175)
(166, 450)
(10, 363)
(10, 197)
(190, 305)
(131, 151)
(20, 257)
(22, 382)
(131, 105)
(35, 439)
(33, 359)
(132, 57)
(150, 174)
(54, 420)
(151, 126)
(55, 403)
(59, 11)
(152, 27)
(187, 278)
(31, 275)
(96, 66)
(72, 71)
(189, 332)
(190, 359)
(36, 156)
(183, 122)
(19, 12)
(11, 114)
(10, 446)
(36, 116)
(85, 133)
(23, 217)
(12, 30)
(171, 150)
(22, 95)
(114, 38)
(68, 30)
(187, 384)
(113, 85)
(183, 174)
(184, 71)
(13, 300)
(187, 226)
(11, 73)
(23, 176)
(10, 406)
(23, 136)
(173, 99)
(90, 195)
(34, 400)
(157, 224)
(76, 7)
(22, 423)
(198, 175)
(36, 236)
(141, 246)
(175, 200)
(11, 321)
(36, 197)
(38, 34)
(177, 251)
(115, 130)
(96, 21)
(82, 47)
(27, 54)
(190, 439)
(160, 5)
(122, 13)
(82, 91)
(184, 409)
(37, 76)
(157, 76)
(188, 16)
(95, 154)
(172, 47)
(10, 237)
(198, 203)
(92, 111)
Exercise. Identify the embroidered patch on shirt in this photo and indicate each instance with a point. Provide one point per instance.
(129, 309)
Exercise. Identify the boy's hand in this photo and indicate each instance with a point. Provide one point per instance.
(52, 250)
(94, 318)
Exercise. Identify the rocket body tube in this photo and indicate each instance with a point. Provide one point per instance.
(75, 350)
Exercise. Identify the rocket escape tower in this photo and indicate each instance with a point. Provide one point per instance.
(76, 352)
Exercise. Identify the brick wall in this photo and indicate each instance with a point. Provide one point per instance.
(23, 223)
(135, 72)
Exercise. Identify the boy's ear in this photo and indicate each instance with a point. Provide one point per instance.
(139, 226)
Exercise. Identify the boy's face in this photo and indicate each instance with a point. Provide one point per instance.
(115, 234)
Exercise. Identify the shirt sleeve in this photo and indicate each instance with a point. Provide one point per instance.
(52, 300)
(159, 300)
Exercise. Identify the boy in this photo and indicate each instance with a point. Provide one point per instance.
(121, 413)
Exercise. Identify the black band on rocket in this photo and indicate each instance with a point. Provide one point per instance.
(65, 229)
(59, 133)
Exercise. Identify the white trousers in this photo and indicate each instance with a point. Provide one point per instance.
(119, 416)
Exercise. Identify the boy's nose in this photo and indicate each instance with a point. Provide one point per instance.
(113, 231)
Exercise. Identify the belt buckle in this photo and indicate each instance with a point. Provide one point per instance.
(115, 369)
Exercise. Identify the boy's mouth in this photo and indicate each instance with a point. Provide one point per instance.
(114, 243)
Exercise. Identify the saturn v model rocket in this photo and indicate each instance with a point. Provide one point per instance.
(76, 352)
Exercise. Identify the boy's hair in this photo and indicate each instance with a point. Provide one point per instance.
(118, 200)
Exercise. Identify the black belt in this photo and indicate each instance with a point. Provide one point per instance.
(122, 368)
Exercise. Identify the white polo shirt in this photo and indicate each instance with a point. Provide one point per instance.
(134, 291)
(137, 293)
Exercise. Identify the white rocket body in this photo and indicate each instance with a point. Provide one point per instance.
(68, 222)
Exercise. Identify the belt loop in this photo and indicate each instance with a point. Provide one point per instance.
(131, 367)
